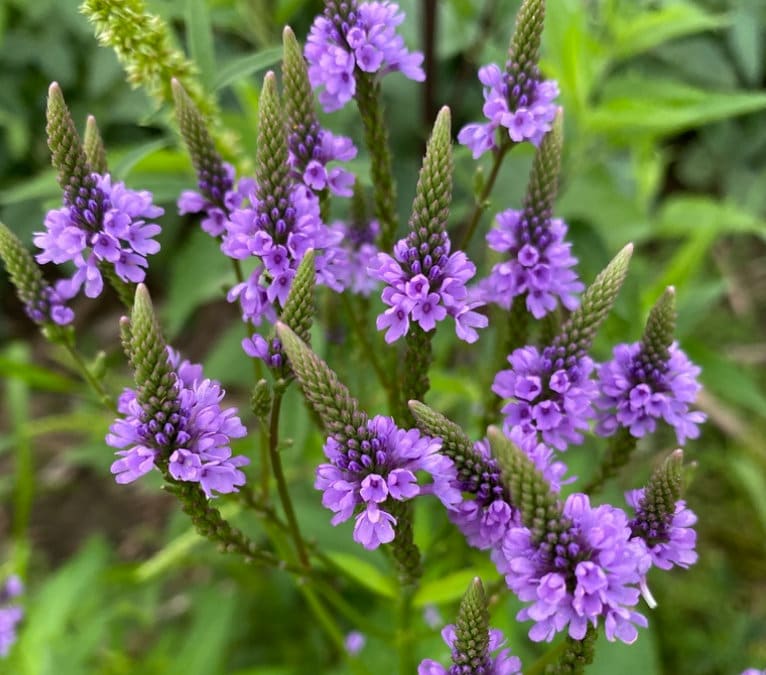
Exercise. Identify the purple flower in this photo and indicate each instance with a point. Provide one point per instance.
(310, 154)
(635, 394)
(670, 540)
(375, 467)
(425, 284)
(192, 434)
(501, 663)
(589, 571)
(50, 304)
(355, 642)
(538, 266)
(106, 223)
(361, 252)
(10, 615)
(279, 233)
(526, 115)
(550, 395)
(753, 671)
(365, 39)
(224, 195)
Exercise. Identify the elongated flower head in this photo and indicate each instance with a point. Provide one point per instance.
(540, 260)
(93, 146)
(353, 37)
(425, 282)
(650, 380)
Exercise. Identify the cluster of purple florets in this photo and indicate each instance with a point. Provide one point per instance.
(539, 266)
(551, 395)
(191, 433)
(365, 38)
(501, 663)
(10, 614)
(376, 466)
(105, 223)
(361, 251)
(635, 394)
(50, 304)
(425, 284)
(525, 110)
(219, 195)
(311, 152)
(279, 232)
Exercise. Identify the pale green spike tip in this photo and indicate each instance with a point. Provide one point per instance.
(142, 302)
(54, 91)
(288, 38)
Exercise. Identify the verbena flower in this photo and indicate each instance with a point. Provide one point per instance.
(50, 305)
(502, 663)
(378, 464)
(539, 263)
(104, 223)
(268, 351)
(279, 232)
(364, 37)
(355, 642)
(10, 615)
(191, 438)
(550, 395)
(753, 671)
(425, 283)
(310, 154)
(670, 538)
(635, 393)
(217, 198)
(587, 572)
(358, 242)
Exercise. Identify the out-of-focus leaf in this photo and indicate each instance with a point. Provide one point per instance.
(746, 41)
(753, 480)
(618, 657)
(37, 377)
(41, 186)
(364, 573)
(126, 163)
(447, 589)
(638, 104)
(685, 214)
(636, 33)
(246, 65)
(200, 36)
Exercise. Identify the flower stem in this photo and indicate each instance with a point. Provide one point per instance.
(406, 654)
(90, 378)
(481, 202)
(279, 476)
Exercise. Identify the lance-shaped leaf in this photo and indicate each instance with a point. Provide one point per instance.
(93, 146)
(579, 331)
(212, 179)
(470, 653)
(658, 334)
(298, 312)
(530, 493)
(524, 48)
(544, 179)
(327, 395)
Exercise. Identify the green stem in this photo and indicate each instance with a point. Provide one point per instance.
(279, 476)
(481, 202)
(354, 616)
(91, 379)
(406, 653)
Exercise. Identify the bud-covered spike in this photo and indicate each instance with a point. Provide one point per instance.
(665, 487)
(330, 399)
(578, 333)
(298, 96)
(470, 653)
(67, 154)
(524, 49)
(260, 400)
(126, 339)
(433, 194)
(24, 273)
(529, 491)
(576, 655)
(658, 334)
(211, 175)
(358, 207)
(271, 166)
(93, 147)
(299, 308)
(544, 179)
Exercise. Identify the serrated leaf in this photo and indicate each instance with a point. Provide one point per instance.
(246, 65)
(199, 33)
(364, 573)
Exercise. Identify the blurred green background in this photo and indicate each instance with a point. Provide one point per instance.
(665, 117)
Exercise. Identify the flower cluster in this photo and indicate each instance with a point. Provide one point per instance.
(280, 232)
(270, 352)
(375, 467)
(217, 198)
(10, 615)
(50, 304)
(525, 109)
(550, 394)
(192, 436)
(425, 284)
(358, 242)
(670, 538)
(105, 223)
(634, 393)
(310, 153)
(590, 570)
(501, 663)
(363, 37)
(539, 266)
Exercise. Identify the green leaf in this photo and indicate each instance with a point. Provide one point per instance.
(364, 573)
(746, 41)
(199, 33)
(753, 480)
(637, 104)
(126, 163)
(41, 186)
(633, 34)
(246, 65)
(446, 589)
(683, 215)
(37, 377)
